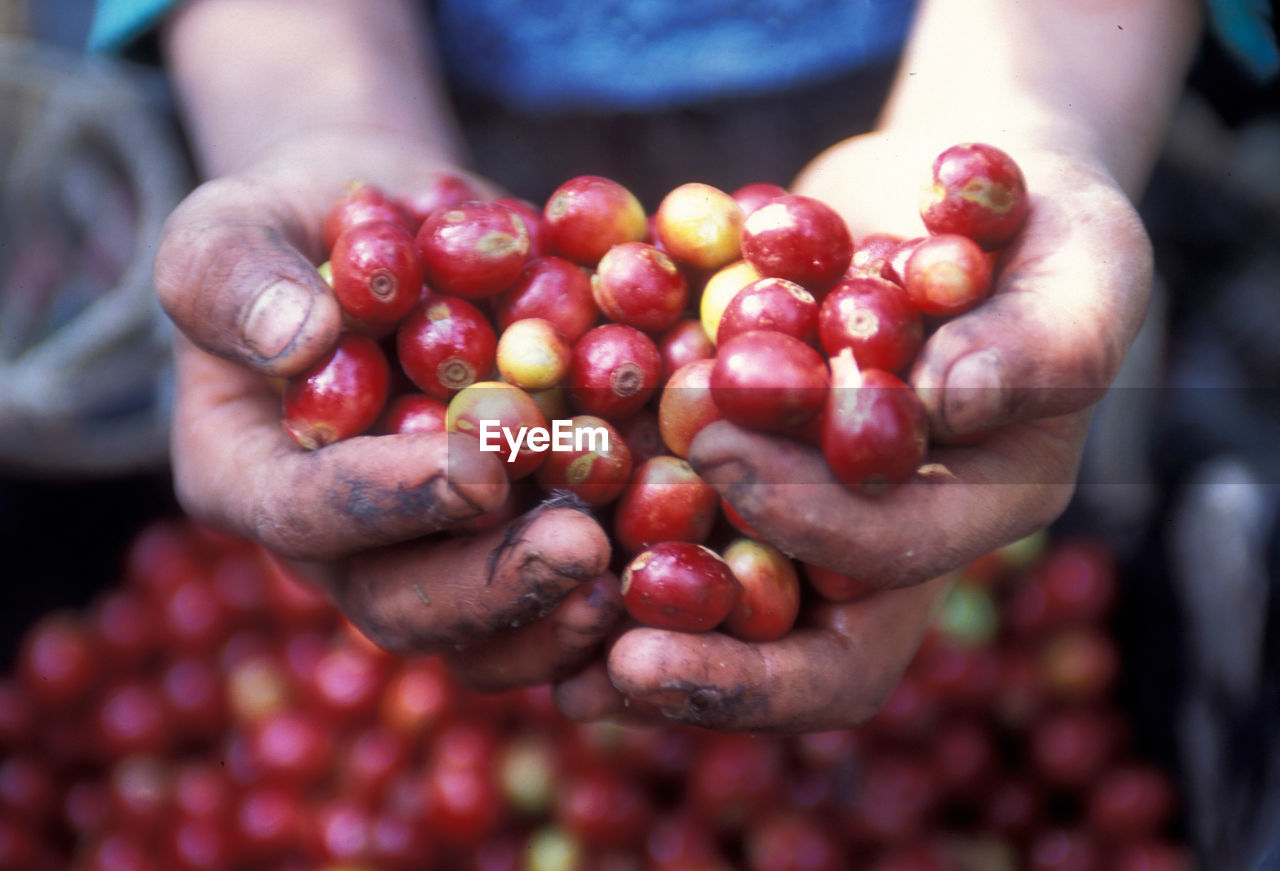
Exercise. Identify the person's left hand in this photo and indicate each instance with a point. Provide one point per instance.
(1008, 387)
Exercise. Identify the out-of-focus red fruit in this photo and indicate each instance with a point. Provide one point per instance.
(119, 850)
(197, 845)
(735, 780)
(1079, 577)
(131, 717)
(28, 789)
(1072, 747)
(603, 809)
(347, 683)
(1064, 849)
(896, 799)
(291, 746)
(124, 628)
(268, 822)
(1152, 856)
(1014, 807)
(911, 711)
(418, 694)
(463, 804)
(752, 196)
(790, 841)
(1079, 664)
(437, 191)
(1131, 801)
(966, 757)
(58, 660)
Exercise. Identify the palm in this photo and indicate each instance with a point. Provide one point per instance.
(1069, 295)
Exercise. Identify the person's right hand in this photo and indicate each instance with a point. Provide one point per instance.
(367, 518)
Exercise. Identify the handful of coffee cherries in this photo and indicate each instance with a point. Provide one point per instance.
(587, 343)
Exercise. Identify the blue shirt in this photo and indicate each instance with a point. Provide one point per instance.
(607, 54)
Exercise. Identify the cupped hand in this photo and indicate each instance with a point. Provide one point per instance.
(1008, 388)
(374, 520)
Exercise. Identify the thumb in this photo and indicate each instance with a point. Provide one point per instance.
(232, 274)
(1070, 296)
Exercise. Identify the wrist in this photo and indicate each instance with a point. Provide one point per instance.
(253, 76)
(1094, 81)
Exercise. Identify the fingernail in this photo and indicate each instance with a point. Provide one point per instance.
(275, 318)
(975, 397)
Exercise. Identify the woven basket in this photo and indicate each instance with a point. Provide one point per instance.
(88, 171)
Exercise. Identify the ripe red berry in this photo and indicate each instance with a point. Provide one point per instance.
(473, 249)
(445, 344)
(978, 191)
(874, 427)
(413, 412)
(798, 238)
(947, 275)
(596, 466)
(551, 288)
(359, 203)
(875, 319)
(340, 396)
(377, 273)
(770, 599)
(686, 406)
(679, 585)
(665, 500)
(768, 381)
(770, 304)
(501, 416)
(589, 214)
(614, 371)
(638, 285)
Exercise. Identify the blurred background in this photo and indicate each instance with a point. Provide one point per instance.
(1181, 483)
